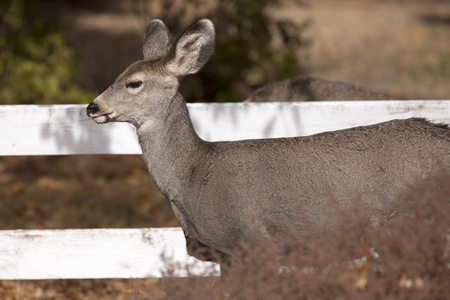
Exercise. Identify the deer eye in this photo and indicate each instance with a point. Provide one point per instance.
(133, 84)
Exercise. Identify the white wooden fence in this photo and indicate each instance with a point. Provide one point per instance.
(136, 253)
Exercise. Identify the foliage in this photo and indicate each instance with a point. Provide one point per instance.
(252, 49)
(37, 65)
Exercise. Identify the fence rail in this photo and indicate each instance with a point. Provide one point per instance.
(136, 253)
(97, 253)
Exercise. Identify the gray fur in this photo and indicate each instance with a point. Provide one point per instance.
(223, 191)
(156, 31)
(313, 89)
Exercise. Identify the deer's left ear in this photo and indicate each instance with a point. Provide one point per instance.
(193, 49)
(157, 42)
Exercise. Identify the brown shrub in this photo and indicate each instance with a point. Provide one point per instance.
(406, 258)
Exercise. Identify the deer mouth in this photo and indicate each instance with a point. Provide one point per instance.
(102, 119)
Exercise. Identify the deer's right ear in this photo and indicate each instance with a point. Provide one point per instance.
(156, 41)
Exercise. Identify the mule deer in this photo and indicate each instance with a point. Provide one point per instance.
(313, 89)
(221, 191)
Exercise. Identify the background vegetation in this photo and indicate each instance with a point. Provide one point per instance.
(41, 68)
(37, 64)
(251, 48)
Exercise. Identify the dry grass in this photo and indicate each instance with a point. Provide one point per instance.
(60, 192)
(408, 257)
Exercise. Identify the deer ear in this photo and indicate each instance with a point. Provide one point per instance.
(157, 42)
(193, 49)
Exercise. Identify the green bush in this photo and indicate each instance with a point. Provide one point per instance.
(38, 67)
(252, 49)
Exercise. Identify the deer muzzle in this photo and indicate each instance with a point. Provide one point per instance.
(100, 118)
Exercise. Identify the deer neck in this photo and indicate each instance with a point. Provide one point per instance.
(169, 146)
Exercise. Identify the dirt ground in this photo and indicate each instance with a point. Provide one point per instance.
(400, 47)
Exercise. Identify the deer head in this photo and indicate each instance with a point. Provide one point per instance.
(146, 86)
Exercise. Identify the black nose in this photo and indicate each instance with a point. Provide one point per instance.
(91, 109)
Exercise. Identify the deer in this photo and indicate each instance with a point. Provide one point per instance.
(222, 192)
(308, 88)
